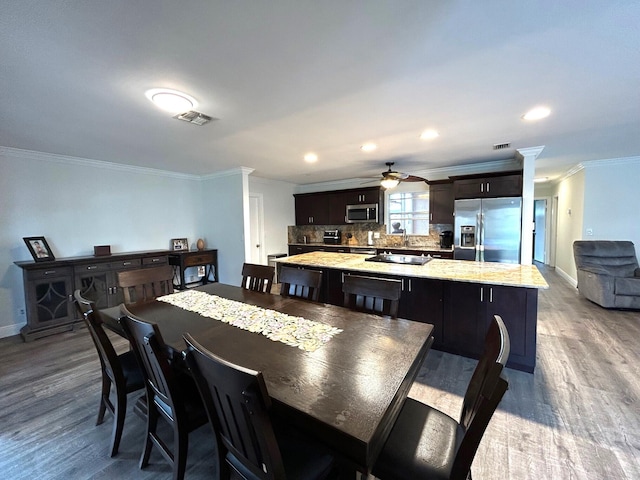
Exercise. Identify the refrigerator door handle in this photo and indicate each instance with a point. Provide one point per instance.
(482, 236)
(477, 239)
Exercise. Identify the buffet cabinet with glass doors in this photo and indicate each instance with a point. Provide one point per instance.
(49, 287)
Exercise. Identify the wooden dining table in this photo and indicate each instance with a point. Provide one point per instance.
(346, 394)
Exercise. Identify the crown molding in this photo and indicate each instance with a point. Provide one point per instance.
(68, 160)
(227, 173)
(607, 162)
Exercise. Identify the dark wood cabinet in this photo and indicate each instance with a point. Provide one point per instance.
(441, 202)
(459, 311)
(49, 287)
(329, 208)
(492, 186)
(469, 309)
(312, 209)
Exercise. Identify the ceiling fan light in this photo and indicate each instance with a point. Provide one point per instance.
(389, 182)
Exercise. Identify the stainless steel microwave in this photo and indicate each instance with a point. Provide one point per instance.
(367, 212)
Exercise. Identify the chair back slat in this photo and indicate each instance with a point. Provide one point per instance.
(258, 278)
(237, 402)
(151, 354)
(145, 284)
(106, 353)
(301, 283)
(380, 296)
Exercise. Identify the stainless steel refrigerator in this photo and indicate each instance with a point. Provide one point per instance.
(488, 229)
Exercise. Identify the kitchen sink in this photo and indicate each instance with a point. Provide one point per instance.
(399, 258)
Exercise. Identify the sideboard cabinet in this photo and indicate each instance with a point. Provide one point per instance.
(49, 287)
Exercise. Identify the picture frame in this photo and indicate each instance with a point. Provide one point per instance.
(179, 244)
(39, 249)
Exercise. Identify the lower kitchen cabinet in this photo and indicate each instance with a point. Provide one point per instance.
(49, 287)
(460, 312)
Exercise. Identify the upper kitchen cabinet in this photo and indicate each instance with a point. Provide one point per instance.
(312, 208)
(441, 202)
(329, 208)
(503, 184)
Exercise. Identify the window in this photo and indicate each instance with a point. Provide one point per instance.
(409, 211)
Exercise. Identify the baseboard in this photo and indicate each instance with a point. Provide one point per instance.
(10, 330)
(567, 277)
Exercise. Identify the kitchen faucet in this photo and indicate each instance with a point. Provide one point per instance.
(405, 239)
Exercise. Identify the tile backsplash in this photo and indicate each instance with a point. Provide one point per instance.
(359, 232)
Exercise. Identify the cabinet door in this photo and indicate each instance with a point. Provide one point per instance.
(312, 209)
(338, 202)
(96, 283)
(518, 309)
(441, 203)
(468, 188)
(48, 299)
(505, 186)
(421, 301)
(464, 318)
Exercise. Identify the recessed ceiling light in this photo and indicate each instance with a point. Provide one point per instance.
(540, 179)
(310, 157)
(171, 100)
(368, 147)
(537, 113)
(429, 135)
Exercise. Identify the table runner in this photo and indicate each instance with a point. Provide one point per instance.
(307, 335)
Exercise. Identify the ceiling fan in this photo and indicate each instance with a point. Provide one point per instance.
(391, 178)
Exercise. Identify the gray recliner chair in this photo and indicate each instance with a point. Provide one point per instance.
(608, 272)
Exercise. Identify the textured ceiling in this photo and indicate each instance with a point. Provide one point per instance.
(288, 77)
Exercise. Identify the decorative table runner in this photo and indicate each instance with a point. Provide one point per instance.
(294, 331)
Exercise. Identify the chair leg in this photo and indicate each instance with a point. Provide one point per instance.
(118, 421)
(104, 398)
(152, 424)
(180, 448)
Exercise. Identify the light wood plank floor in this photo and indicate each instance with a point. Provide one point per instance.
(577, 417)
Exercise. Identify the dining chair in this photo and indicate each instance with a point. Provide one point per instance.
(122, 371)
(145, 284)
(425, 443)
(380, 296)
(238, 406)
(171, 394)
(258, 278)
(300, 283)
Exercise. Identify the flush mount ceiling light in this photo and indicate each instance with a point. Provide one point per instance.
(368, 147)
(171, 100)
(389, 182)
(536, 113)
(429, 135)
(310, 157)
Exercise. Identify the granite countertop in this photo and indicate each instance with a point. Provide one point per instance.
(506, 274)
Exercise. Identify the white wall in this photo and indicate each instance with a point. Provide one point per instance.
(570, 216)
(222, 214)
(279, 211)
(77, 204)
(611, 206)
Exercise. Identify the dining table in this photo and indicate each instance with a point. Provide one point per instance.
(345, 391)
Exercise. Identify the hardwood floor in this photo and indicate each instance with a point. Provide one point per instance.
(576, 417)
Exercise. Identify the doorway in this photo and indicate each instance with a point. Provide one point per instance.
(256, 229)
(540, 230)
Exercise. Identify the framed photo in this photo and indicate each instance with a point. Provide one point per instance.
(179, 244)
(39, 249)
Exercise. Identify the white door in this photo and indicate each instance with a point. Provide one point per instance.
(256, 229)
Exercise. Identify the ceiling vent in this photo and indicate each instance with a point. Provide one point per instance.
(501, 146)
(194, 117)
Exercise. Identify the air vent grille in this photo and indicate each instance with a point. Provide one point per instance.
(194, 117)
(501, 146)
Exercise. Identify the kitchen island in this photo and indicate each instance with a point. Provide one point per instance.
(458, 297)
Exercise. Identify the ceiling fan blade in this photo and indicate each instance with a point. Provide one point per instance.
(414, 178)
(397, 175)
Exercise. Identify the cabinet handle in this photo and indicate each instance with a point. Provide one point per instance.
(431, 217)
(490, 291)
(92, 267)
(155, 259)
(70, 298)
(50, 272)
(124, 264)
(481, 187)
(481, 294)
(487, 187)
(409, 285)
